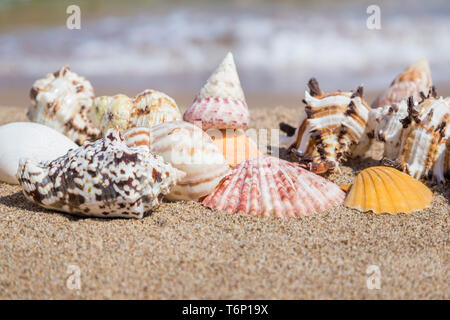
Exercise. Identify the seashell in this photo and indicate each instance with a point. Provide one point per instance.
(419, 136)
(235, 145)
(29, 140)
(147, 109)
(415, 79)
(329, 127)
(62, 101)
(268, 186)
(387, 190)
(105, 178)
(187, 148)
(221, 102)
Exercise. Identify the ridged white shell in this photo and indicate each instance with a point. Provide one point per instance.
(221, 102)
(415, 79)
(268, 186)
(105, 178)
(329, 127)
(187, 148)
(29, 140)
(62, 101)
(147, 109)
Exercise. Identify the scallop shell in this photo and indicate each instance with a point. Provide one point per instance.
(415, 79)
(187, 148)
(221, 102)
(29, 140)
(105, 178)
(329, 127)
(62, 101)
(235, 145)
(387, 190)
(268, 186)
(147, 109)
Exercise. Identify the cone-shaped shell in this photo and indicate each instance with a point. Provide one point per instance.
(221, 102)
(29, 140)
(147, 109)
(415, 79)
(268, 186)
(235, 145)
(63, 101)
(105, 178)
(387, 190)
(187, 148)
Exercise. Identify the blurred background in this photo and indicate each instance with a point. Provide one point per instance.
(173, 46)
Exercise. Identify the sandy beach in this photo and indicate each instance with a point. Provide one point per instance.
(185, 251)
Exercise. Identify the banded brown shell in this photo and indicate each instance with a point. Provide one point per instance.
(147, 109)
(221, 102)
(330, 126)
(63, 101)
(387, 190)
(105, 178)
(268, 186)
(413, 80)
(187, 148)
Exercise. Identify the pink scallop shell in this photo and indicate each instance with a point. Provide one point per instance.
(268, 186)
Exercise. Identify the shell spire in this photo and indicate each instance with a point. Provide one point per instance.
(105, 178)
(63, 101)
(221, 103)
(268, 186)
(411, 82)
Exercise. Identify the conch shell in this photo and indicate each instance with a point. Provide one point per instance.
(187, 148)
(330, 126)
(105, 178)
(147, 109)
(387, 190)
(221, 102)
(415, 79)
(271, 187)
(62, 101)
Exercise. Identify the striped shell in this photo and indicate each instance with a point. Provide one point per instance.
(147, 109)
(187, 148)
(235, 145)
(268, 186)
(221, 102)
(415, 79)
(105, 178)
(29, 140)
(330, 126)
(63, 101)
(387, 190)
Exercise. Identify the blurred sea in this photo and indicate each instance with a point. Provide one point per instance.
(277, 46)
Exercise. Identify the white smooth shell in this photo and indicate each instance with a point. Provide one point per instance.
(29, 140)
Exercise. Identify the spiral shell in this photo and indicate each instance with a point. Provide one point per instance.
(105, 178)
(147, 109)
(187, 148)
(268, 186)
(387, 190)
(221, 102)
(63, 101)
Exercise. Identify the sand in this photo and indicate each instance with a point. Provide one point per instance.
(184, 251)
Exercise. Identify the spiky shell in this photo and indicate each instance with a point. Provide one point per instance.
(29, 140)
(235, 145)
(147, 109)
(387, 190)
(62, 101)
(105, 178)
(268, 186)
(221, 102)
(329, 127)
(187, 148)
(415, 79)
